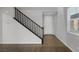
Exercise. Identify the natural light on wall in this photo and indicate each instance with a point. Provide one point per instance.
(73, 20)
(75, 25)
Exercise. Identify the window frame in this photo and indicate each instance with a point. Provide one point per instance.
(69, 23)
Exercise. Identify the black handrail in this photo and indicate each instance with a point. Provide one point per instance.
(28, 18)
(29, 23)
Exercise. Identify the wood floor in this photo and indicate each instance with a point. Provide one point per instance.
(51, 44)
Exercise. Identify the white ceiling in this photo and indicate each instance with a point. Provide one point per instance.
(45, 10)
(38, 8)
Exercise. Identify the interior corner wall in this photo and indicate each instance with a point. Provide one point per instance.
(55, 23)
(70, 40)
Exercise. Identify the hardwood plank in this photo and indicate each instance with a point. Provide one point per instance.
(51, 44)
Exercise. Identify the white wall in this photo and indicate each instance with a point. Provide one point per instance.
(70, 40)
(0, 25)
(55, 23)
(15, 33)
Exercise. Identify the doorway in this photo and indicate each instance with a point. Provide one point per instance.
(48, 23)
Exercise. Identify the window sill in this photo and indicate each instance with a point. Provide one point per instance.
(74, 33)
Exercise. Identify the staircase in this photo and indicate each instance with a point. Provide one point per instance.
(29, 24)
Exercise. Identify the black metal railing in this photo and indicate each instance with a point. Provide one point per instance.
(28, 23)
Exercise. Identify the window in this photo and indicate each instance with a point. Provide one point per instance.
(73, 20)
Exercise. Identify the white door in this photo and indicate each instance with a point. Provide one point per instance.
(48, 24)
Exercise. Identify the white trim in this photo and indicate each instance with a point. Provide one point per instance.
(68, 23)
(74, 19)
(20, 43)
(73, 33)
(68, 20)
(65, 43)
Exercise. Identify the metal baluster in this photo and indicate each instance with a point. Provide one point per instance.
(29, 23)
(26, 21)
(40, 32)
(36, 30)
(33, 26)
(15, 14)
(18, 15)
(23, 19)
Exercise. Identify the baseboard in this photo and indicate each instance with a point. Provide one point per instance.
(20, 43)
(49, 35)
(64, 43)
